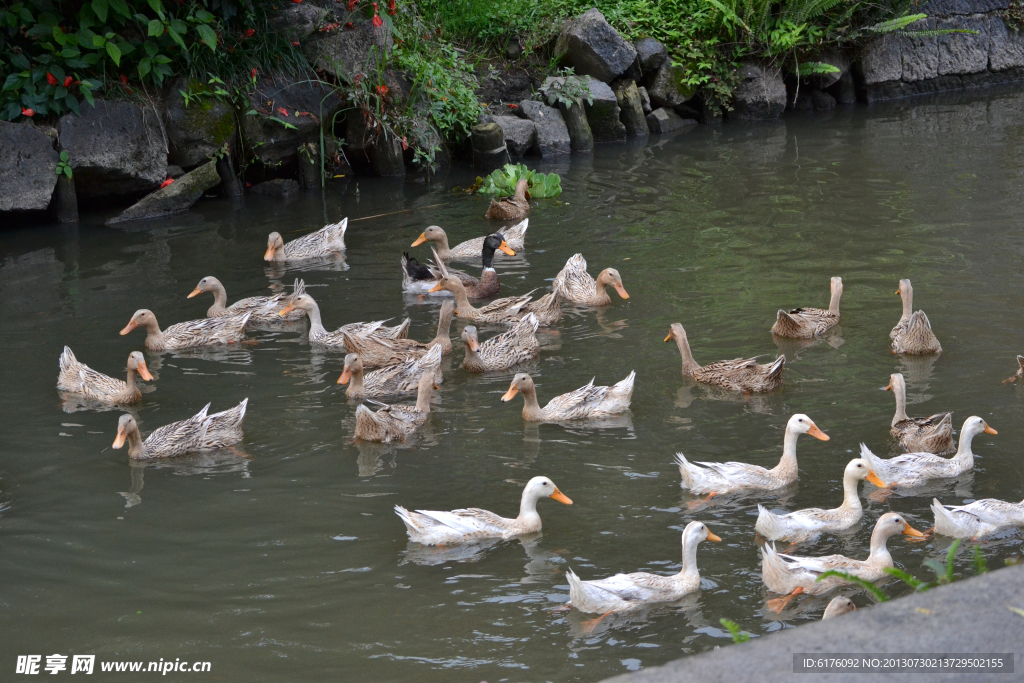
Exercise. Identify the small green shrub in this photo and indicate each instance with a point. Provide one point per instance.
(503, 182)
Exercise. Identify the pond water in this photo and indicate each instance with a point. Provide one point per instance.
(289, 564)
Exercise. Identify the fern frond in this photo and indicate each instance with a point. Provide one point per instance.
(895, 24)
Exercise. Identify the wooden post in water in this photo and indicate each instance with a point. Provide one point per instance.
(581, 137)
(66, 197)
(228, 180)
(309, 167)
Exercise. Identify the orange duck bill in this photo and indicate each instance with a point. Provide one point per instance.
(345, 376)
(129, 327)
(420, 240)
(510, 394)
(818, 434)
(561, 497)
(504, 247)
(195, 292)
(144, 372)
(121, 436)
(624, 294)
(286, 310)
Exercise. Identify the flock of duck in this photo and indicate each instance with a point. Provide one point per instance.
(382, 361)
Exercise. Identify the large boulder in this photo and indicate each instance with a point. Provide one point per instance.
(489, 152)
(282, 188)
(116, 148)
(591, 46)
(177, 197)
(761, 94)
(306, 105)
(919, 56)
(351, 52)
(27, 167)
(603, 113)
(832, 57)
(665, 120)
(296, 21)
(1006, 49)
(663, 87)
(880, 61)
(519, 133)
(963, 53)
(631, 109)
(509, 85)
(552, 138)
(650, 54)
(197, 129)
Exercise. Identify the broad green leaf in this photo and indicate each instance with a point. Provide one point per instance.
(115, 53)
(58, 35)
(156, 28)
(156, 7)
(208, 36)
(67, 169)
(121, 7)
(20, 62)
(180, 26)
(99, 7)
(145, 65)
(177, 38)
(64, 156)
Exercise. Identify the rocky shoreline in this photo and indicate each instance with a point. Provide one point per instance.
(122, 153)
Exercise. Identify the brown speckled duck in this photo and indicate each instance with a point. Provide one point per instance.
(78, 378)
(739, 374)
(225, 330)
(913, 333)
(511, 208)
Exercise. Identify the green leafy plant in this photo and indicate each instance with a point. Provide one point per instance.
(566, 89)
(733, 628)
(64, 164)
(503, 181)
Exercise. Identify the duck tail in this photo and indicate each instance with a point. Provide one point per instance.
(767, 523)
(786, 325)
(624, 387)
(945, 523)
(68, 362)
(575, 588)
(517, 232)
(686, 472)
(777, 366)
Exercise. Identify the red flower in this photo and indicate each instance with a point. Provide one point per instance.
(68, 81)
(358, 78)
(382, 90)
(124, 79)
(248, 33)
(351, 5)
(252, 74)
(27, 112)
(513, 106)
(391, 7)
(405, 144)
(166, 182)
(377, 21)
(349, 25)
(284, 112)
(295, 43)
(51, 79)
(297, 2)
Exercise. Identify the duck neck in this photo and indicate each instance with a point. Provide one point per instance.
(444, 327)
(689, 567)
(531, 409)
(879, 551)
(964, 454)
(462, 299)
(908, 303)
(520, 192)
(443, 250)
(900, 392)
(130, 382)
(528, 515)
(154, 337)
(472, 357)
(424, 393)
(135, 446)
(355, 383)
(787, 468)
(601, 298)
(690, 366)
(487, 257)
(851, 496)
(316, 326)
(220, 301)
(833, 304)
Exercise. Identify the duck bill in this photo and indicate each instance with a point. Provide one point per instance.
(195, 292)
(887, 387)
(714, 537)
(818, 434)
(911, 531)
(510, 394)
(622, 292)
(345, 376)
(561, 497)
(144, 372)
(897, 292)
(873, 478)
(505, 248)
(474, 346)
(121, 436)
(420, 240)
(989, 430)
(286, 310)
(129, 327)
(269, 256)
(668, 337)
(436, 288)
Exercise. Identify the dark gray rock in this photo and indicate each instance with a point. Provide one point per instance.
(971, 615)
(804, 100)
(307, 105)
(761, 94)
(296, 21)
(645, 99)
(664, 120)
(174, 171)
(28, 166)
(511, 85)
(631, 109)
(591, 46)
(845, 91)
(116, 148)
(177, 197)
(581, 137)
(650, 54)
(920, 56)
(663, 87)
(897, 89)
(196, 131)
(279, 187)
(880, 61)
(833, 57)
(822, 101)
(351, 51)
(935, 8)
(388, 157)
(1006, 47)
(963, 53)
(552, 138)
(603, 113)
(519, 133)
(489, 151)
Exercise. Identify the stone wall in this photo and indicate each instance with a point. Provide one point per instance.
(899, 66)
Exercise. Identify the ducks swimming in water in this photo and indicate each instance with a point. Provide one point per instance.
(576, 285)
(586, 403)
(186, 335)
(327, 241)
(913, 333)
(262, 308)
(978, 519)
(198, 433)
(805, 323)
(515, 237)
(318, 334)
(422, 279)
(511, 208)
(401, 378)
(919, 434)
(740, 374)
(78, 378)
(395, 422)
(500, 352)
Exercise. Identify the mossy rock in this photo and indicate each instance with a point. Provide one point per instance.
(196, 128)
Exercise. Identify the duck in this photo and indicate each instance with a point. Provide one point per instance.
(791, 575)
(377, 352)
(511, 208)
(201, 432)
(186, 335)
(78, 378)
(395, 422)
(625, 592)
(725, 477)
(805, 323)
(421, 279)
(318, 334)
(579, 288)
(402, 378)
(548, 308)
(740, 374)
(978, 519)
(913, 333)
(500, 311)
(327, 241)
(515, 237)
(1017, 375)
(431, 527)
(263, 308)
(919, 434)
(914, 469)
(586, 403)
(805, 524)
(838, 606)
(503, 351)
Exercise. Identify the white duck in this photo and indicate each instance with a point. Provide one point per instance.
(805, 524)
(624, 592)
(431, 527)
(913, 469)
(791, 575)
(978, 519)
(327, 241)
(724, 477)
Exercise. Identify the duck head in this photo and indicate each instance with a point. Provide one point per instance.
(137, 363)
(432, 234)
(274, 242)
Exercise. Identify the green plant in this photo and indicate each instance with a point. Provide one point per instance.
(566, 89)
(503, 181)
(733, 628)
(64, 164)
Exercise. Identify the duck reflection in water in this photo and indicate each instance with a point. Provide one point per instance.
(755, 403)
(541, 566)
(584, 626)
(791, 348)
(231, 460)
(374, 456)
(275, 270)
